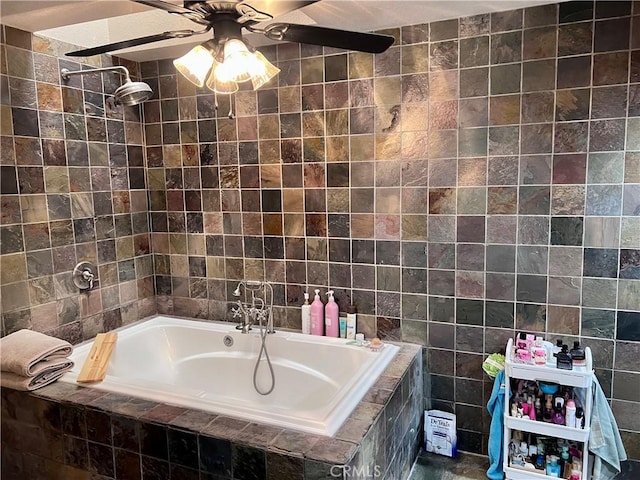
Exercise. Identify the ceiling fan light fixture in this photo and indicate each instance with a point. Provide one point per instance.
(195, 64)
(219, 82)
(264, 70)
(238, 61)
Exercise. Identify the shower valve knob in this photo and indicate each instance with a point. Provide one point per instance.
(84, 276)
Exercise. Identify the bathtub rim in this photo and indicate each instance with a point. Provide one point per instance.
(334, 415)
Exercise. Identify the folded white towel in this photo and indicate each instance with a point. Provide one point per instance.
(49, 374)
(26, 352)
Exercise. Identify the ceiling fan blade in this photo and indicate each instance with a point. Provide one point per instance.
(130, 43)
(329, 37)
(278, 8)
(169, 7)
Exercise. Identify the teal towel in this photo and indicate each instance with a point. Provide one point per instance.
(496, 409)
(604, 439)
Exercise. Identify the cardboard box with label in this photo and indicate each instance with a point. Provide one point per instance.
(440, 432)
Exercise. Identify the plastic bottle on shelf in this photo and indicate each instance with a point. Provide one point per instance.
(557, 348)
(570, 414)
(317, 315)
(579, 417)
(306, 314)
(532, 409)
(563, 359)
(577, 355)
(553, 469)
(331, 317)
(538, 409)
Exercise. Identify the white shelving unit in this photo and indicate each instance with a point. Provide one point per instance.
(579, 377)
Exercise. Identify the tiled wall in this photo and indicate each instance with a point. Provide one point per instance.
(73, 189)
(479, 178)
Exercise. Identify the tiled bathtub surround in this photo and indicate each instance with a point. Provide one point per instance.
(64, 431)
(480, 177)
(73, 189)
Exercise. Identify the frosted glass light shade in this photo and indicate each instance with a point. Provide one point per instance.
(238, 61)
(219, 82)
(264, 70)
(195, 65)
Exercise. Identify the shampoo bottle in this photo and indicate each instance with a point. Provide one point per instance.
(331, 315)
(317, 315)
(577, 355)
(563, 359)
(306, 315)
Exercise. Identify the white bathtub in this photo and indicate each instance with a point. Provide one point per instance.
(319, 380)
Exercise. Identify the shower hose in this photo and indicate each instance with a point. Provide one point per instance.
(263, 351)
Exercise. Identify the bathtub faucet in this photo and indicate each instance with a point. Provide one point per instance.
(259, 307)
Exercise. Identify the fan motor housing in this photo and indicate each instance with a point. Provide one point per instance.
(225, 27)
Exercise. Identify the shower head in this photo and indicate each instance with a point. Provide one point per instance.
(132, 93)
(129, 93)
(248, 285)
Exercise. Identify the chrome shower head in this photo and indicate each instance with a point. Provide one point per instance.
(129, 93)
(132, 93)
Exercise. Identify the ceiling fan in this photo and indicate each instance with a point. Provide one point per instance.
(227, 19)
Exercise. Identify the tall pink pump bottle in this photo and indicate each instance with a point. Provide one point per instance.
(317, 315)
(332, 317)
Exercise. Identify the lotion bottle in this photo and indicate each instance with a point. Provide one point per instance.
(317, 315)
(306, 315)
(331, 317)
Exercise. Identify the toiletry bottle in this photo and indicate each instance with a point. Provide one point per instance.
(532, 410)
(558, 416)
(547, 414)
(553, 469)
(577, 355)
(558, 347)
(548, 346)
(576, 470)
(531, 338)
(566, 464)
(538, 409)
(343, 325)
(579, 417)
(317, 315)
(539, 356)
(563, 359)
(306, 314)
(521, 341)
(351, 322)
(331, 317)
(570, 414)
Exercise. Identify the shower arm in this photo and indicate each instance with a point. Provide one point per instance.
(65, 73)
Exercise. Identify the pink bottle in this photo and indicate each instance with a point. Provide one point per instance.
(317, 315)
(332, 317)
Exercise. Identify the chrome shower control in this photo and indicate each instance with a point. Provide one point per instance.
(84, 275)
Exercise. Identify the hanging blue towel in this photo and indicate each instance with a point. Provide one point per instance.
(604, 440)
(496, 409)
